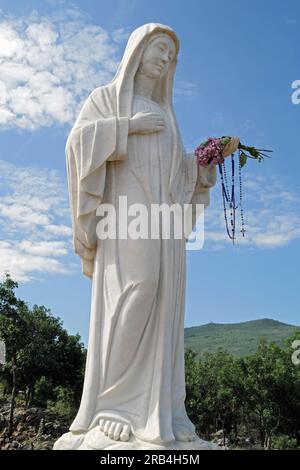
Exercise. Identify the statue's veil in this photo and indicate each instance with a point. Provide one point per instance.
(124, 78)
(163, 91)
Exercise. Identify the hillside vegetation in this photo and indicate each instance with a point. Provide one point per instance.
(240, 339)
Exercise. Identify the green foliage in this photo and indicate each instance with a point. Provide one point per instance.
(243, 159)
(63, 403)
(284, 442)
(252, 399)
(40, 355)
(43, 391)
(14, 317)
(217, 391)
(240, 339)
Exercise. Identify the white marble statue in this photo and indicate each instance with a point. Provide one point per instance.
(126, 142)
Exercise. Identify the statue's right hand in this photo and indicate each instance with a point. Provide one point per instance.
(146, 123)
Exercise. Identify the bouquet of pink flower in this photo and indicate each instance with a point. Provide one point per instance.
(215, 150)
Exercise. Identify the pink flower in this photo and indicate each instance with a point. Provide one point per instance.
(209, 152)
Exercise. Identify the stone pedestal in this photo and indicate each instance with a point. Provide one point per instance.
(96, 440)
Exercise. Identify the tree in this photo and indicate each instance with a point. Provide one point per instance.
(258, 395)
(14, 332)
(221, 389)
(214, 392)
(267, 380)
(51, 352)
(36, 346)
(290, 423)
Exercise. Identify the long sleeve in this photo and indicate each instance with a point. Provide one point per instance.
(100, 141)
(91, 145)
(199, 179)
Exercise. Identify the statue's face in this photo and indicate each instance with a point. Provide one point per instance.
(157, 57)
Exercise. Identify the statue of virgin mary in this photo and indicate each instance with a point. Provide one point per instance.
(126, 142)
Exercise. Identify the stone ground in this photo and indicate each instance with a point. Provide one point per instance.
(38, 429)
(34, 429)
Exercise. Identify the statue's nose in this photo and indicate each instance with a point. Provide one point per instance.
(164, 57)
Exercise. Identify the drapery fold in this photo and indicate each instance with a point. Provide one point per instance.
(90, 146)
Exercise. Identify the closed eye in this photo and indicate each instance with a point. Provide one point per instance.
(163, 48)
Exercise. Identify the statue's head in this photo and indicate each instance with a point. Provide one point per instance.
(152, 50)
(158, 54)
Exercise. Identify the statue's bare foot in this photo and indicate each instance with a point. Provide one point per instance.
(183, 432)
(115, 430)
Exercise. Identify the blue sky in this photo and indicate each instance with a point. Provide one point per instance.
(237, 63)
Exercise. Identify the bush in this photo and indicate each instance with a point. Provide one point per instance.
(284, 442)
(43, 391)
(63, 403)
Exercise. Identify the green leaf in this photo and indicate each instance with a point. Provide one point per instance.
(243, 159)
(225, 140)
(204, 144)
(254, 152)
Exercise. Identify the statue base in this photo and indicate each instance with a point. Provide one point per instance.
(96, 440)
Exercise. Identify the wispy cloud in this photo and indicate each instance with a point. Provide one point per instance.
(184, 89)
(48, 65)
(35, 229)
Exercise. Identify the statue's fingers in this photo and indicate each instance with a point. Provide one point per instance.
(149, 115)
(152, 129)
(155, 122)
(156, 115)
(158, 122)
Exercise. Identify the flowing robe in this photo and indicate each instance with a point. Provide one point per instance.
(135, 362)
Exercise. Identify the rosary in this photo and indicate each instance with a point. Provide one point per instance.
(214, 150)
(229, 201)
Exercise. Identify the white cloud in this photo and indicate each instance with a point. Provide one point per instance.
(20, 214)
(44, 248)
(35, 237)
(120, 35)
(22, 265)
(62, 230)
(48, 66)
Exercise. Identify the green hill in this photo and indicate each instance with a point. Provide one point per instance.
(240, 339)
